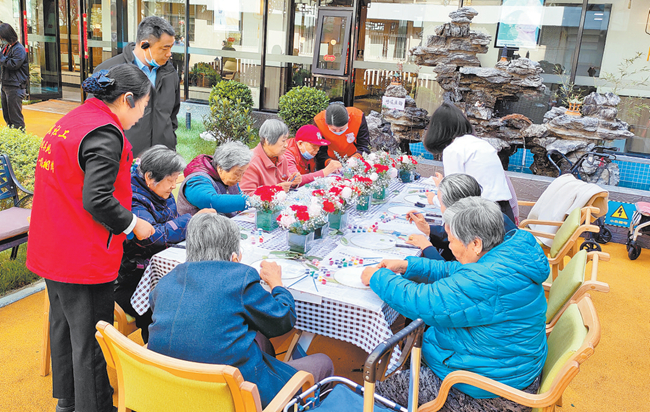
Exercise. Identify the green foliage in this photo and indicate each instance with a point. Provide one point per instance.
(189, 144)
(299, 106)
(232, 91)
(628, 76)
(230, 120)
(22, 149)
(13, 273)
(205, 71)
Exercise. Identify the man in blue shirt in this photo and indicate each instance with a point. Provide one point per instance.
(152, 53)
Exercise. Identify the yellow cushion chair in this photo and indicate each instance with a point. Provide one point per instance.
(565, 240)
(151, 382)
(571, 342)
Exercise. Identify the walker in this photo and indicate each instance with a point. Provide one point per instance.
(640, 224)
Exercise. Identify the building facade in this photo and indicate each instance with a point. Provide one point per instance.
(356, 45)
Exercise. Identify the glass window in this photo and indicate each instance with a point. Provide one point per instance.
(44, 81)
(333, 36)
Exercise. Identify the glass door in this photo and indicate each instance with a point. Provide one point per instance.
(69, 46)
(41, 31)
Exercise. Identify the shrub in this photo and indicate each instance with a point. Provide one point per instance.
(232, 91)
(230, 120)
(300, 104)
(205, 71)
(22, 149)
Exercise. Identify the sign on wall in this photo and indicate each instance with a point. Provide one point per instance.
(393, 103)
(520, 23)
(619, 213)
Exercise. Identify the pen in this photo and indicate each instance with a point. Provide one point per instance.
(297, 281)
(407, 246)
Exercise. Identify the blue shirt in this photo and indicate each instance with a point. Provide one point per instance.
(151, 73)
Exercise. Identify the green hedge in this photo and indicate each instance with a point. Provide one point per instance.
(300, 104)
(233, 91)
(22, 149)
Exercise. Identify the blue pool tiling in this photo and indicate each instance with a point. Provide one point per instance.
(417, 149)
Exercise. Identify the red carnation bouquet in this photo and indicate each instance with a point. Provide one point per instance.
(303, 219)
(267, 198)
(406, 163)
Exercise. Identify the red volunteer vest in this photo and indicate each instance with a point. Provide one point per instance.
(65, 243)
(304, 166)
(344, 144)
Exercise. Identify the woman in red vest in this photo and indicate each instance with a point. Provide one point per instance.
(346, 130)
(301, 151)
(80, 217)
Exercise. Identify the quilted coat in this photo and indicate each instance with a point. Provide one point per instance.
(486, 317)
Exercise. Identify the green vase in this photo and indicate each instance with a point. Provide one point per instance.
(379, 194)
(338, 220)
(267, 220)
(363, 203)
(406, 176)
(300, 243)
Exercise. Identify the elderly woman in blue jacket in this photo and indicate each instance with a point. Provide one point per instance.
(213, 309)
(486, 312)
(152, 182)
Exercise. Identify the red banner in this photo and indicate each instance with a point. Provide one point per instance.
(85, 35)
(25, 25)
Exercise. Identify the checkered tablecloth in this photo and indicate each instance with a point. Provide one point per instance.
(363, 327)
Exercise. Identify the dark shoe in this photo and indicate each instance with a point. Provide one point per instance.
(65, 405)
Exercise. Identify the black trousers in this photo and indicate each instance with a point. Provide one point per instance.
(78, 364)
(123, 298)
(506, 209)
(12, 106)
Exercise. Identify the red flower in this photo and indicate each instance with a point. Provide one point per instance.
(298, 208)
(319, 192)
(329, 207)
(335, 190)
(363, 180)
(379, 168)
(266, 193)
(303, 216)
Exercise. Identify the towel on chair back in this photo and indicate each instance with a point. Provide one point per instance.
(558, 200)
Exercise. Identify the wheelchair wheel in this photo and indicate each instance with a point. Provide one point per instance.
(633, 250)
(590, 246)
(604, 236)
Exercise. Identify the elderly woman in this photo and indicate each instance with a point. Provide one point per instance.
(450, 190)
(210, 309)
(486, 313)
(213, 181)
(152, 183)
(269, 166)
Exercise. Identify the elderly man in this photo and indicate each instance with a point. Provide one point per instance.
(213, 309)
(151, 53)
(269, 166)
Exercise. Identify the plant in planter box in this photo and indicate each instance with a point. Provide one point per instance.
(363, 187)
(406, 166)
(204, 75)
(335, 200)
(301, 221)
(299, 106)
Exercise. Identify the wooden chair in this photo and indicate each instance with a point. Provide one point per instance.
(14, 222)
(571, 284)
(125, 324)
(149, 381)
(571, 342)
(565, 240)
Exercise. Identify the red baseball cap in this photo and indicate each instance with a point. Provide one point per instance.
(310, 134)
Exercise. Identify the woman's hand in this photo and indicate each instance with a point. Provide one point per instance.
(271, 273)
(331, 167)
(207, 210)
(367, 274)
(395, 265)
(414, 217)
(143, 229)
(438, 178)
(420, 241)
(430, 197)
(294, 180)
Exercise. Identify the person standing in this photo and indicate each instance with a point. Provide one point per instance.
(152, 53)
(81, 215)
(15, 75)
(347, 131)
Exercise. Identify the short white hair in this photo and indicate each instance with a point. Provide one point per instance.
(272, 130)
(211, 237)
(474, 217)
(231, 154)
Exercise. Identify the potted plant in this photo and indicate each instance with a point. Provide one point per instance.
(406, 165)
(301, 221)
(363, 188)
(381, 173)
(335, 200)
(267, 200)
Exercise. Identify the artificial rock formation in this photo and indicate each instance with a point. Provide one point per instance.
(406, 125)
(476, 91)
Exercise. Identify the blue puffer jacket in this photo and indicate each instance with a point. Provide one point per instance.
(486, 317)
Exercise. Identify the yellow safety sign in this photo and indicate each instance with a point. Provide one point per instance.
(620, 213)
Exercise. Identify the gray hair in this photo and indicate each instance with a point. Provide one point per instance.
(211, 237)
(475, 217)
(231, 154)
(153, 27)
(159, 162)
(272, 130)
(458, 186)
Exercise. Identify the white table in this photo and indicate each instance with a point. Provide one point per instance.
(361, 318)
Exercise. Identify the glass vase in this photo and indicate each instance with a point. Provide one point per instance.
(406, 176)
(363, 203)
(300, 243)
(379, 194)
(338, 220)
(266, 220)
